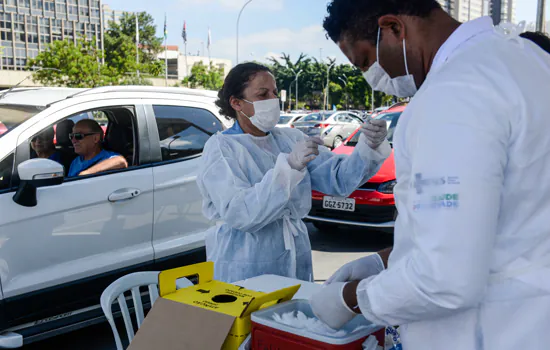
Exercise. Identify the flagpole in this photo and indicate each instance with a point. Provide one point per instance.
(184, 37)
(137, 44)
(165, 53)
(209, 43)
(165, 62)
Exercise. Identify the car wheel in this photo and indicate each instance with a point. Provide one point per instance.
(324, 226)
(338, 141)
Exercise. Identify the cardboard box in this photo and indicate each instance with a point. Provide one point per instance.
(210, 315)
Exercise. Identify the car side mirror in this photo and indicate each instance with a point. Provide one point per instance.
(36, 173)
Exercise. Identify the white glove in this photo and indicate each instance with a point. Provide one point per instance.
(376, 131)
(358, 270)
(330, 307)
(304, 152)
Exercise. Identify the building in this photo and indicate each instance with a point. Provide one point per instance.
(180, 66)
(111, 15)
(466, 10)
(507, 11)
(28, 26)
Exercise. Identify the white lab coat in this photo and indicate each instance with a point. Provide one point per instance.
(470, 269)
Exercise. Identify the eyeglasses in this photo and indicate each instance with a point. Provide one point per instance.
(80, 136)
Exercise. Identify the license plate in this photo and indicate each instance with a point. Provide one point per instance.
(343, 204)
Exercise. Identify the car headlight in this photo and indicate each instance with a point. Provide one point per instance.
(387, 187)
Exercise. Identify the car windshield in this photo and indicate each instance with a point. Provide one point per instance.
(395, 118)
(11, 116)
(285, 119)
(387, 116)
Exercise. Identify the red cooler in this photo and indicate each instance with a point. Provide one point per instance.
(270, 335)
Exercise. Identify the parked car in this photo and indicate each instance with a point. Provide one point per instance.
(378, 110)
(64, 240)
(372, 205)
(390, 115)
(311, 124)
(339, 128)
(332, 127)
(288, 120)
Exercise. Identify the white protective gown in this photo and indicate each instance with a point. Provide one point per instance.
(248, 185)
(470, 269)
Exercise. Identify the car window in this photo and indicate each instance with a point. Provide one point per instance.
(285, 119)
(311, 117)
(393, 125)
(387, 116)
(118, 129)
(356, 120)
(6, 167)
(183, 131)
(12, 116)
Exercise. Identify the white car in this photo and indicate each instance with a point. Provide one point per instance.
(287, 120)
(63, 240)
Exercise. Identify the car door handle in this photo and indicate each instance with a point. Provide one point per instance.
(124, 194)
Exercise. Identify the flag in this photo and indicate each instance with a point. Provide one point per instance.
(184, 33)
(165, 29)
(209, 42)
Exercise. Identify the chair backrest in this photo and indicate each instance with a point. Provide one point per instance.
(132, 282)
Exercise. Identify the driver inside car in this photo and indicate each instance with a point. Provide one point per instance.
(87, 139)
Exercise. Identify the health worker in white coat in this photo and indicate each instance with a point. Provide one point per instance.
(256, 180)
(470, 266)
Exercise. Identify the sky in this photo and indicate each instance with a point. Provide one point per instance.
(267, 27)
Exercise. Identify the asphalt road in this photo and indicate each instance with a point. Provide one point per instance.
(330, 251)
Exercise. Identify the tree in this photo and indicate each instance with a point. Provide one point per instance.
(202, 76)
(76, 65)
(80, 65)
(120, 45)
(348, 88)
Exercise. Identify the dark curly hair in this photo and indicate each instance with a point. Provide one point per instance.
(358, 19)
(541, 39)
(234, 85)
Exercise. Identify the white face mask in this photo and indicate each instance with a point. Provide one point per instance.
(266, 114)
(380, 80)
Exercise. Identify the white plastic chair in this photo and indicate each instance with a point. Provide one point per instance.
(132, 282)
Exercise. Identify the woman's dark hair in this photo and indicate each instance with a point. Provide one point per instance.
(358, 19)
(538, 38)
(234, 85)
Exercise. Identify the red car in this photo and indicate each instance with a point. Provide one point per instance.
(3, 128)
(373, 204)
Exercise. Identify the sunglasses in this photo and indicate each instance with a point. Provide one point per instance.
(80, 136)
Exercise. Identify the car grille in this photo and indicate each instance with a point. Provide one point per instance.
(363, 213)
(369, 186)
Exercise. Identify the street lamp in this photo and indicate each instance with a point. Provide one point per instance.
(297, 76)
(345, 89)
(238, 20)
(328, 84)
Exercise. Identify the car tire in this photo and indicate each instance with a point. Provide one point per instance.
(338, 141)
(324, 226)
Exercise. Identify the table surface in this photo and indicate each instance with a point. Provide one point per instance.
(272, 283)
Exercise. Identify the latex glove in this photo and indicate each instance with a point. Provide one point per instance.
(358, 270)
(304, 152)
(330, 307)
(376, 131)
